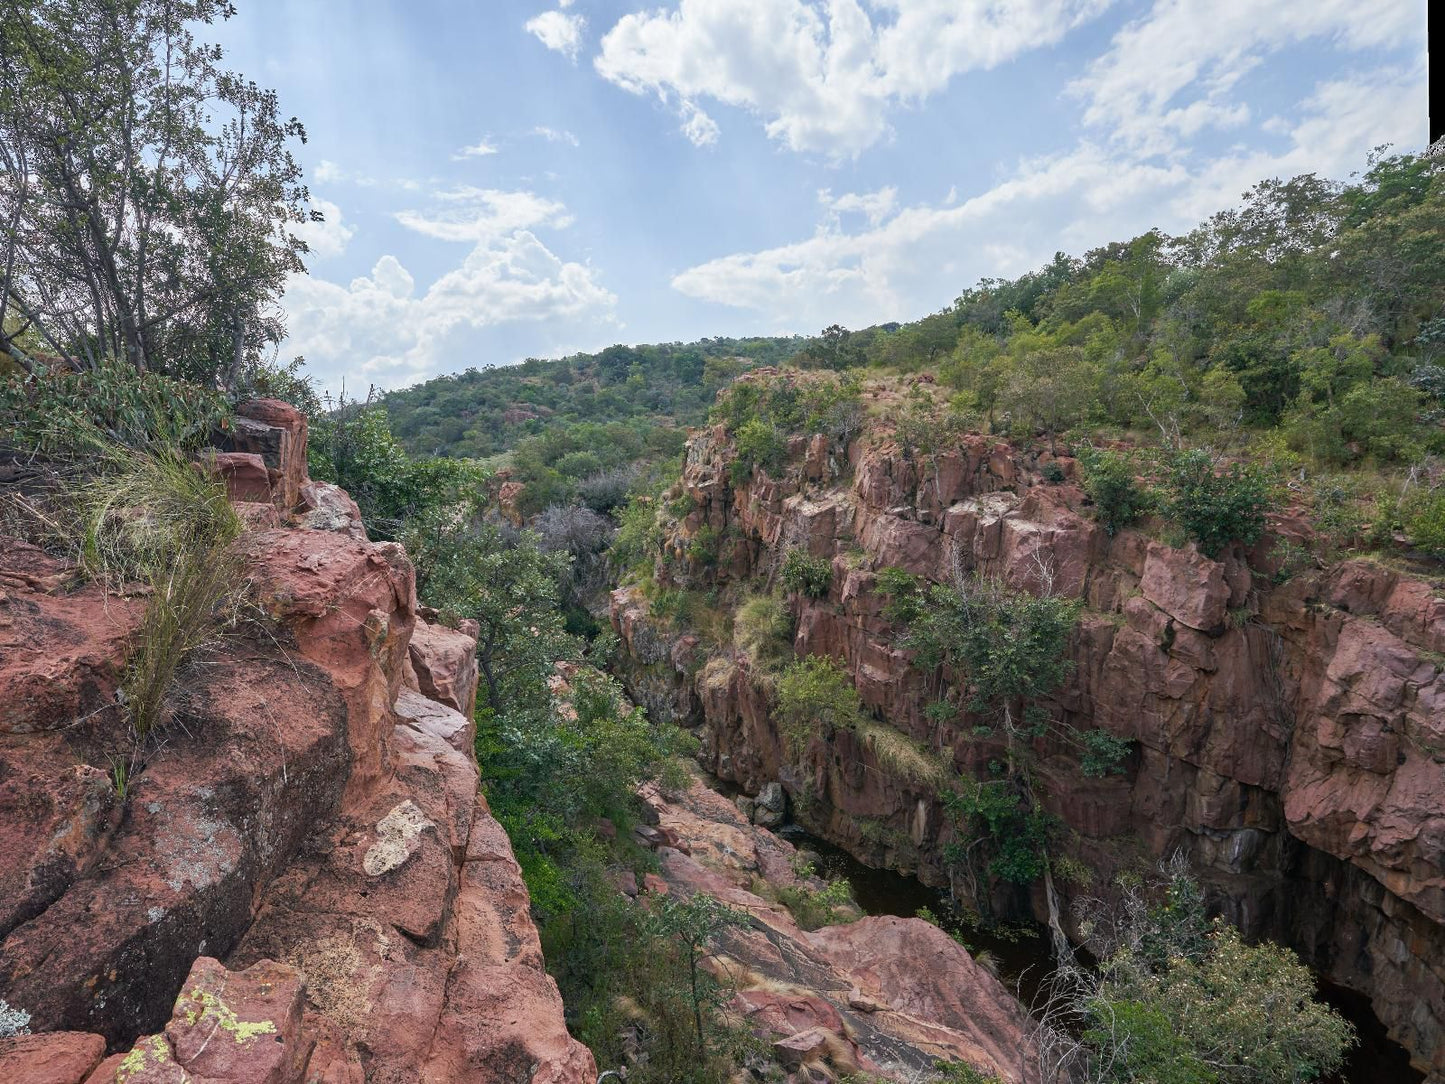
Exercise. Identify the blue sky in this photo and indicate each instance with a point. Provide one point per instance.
(514, 178)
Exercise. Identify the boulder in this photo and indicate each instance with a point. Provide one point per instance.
(1186, 585)
(227, 1028)
(56, 1057)
(445, 663)
(327, 507)
(245, 476)
(275, 431)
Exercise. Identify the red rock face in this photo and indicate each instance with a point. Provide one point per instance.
(1290, 739)
(886, 996)
(302, 881)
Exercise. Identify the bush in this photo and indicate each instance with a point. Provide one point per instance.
(353, 447)
(1110, 482)
(1217, 507)
(1425, 523)
(1103, 754)
(758, 447)
(638, 537)
(705, 547)
(808, 575)
(67, 413)
(1177, 999)
(815, 907)
(815, 693)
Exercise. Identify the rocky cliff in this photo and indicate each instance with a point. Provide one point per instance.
(303, 882)
(1289, 731)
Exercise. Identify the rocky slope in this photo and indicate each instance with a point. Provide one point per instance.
(1290, 737)
(882, 995)
(303, 883)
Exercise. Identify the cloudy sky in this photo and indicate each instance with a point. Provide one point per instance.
(514, 178)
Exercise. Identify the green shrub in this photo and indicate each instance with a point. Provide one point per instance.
(812, 908)
(353, 447)
(1217, 507)
(1103, 753)
(1425, 523)
(638, 537)
(1110, 482)
(759, 446)
(705, 546)
(815, 693)
(67, 413)
(808, 575)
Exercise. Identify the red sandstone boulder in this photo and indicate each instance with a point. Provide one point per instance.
(917, 969)
(56, 1057)
(445, 663)
(275, 431)
(327, 507)
(1186, 585)
(245, 476)
(61, 652)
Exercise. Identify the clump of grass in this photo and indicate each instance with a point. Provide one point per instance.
(140, 512)
(763, 632)
(900, 756)
(158, 521)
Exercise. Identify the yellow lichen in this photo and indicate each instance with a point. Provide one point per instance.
(152, 1051)
(212, 1007)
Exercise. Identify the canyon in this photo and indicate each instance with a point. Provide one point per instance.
(304, 882)
(1288, 726)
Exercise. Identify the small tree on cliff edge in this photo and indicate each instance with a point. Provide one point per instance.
(147, 196)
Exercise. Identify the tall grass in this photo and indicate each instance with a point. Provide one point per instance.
(156, 520)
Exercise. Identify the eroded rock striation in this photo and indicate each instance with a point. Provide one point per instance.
(303, 882)
(1290, 736)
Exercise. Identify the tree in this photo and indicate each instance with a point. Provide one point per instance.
(832, 349)
(690, 927)
(1178, 999)
(148, 197)
(470, 568)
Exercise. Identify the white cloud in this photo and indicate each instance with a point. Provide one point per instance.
(559, 32)
(328, 172)
(481, 214)
(555, 135)
(822, 76)
(875, 206)
(1169, 74)
(904, 261)
(328, 237)
(480, 149)
(379, 330)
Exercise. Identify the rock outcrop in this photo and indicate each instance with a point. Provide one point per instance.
(881, 995)
(302, 882)
(1289, 736)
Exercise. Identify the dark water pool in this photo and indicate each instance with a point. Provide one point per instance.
(1023, 961)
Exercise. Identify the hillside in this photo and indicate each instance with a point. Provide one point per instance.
(485, 412)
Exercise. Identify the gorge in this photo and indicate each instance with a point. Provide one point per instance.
(1286, 730)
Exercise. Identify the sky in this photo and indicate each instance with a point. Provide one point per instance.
(504, 179)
